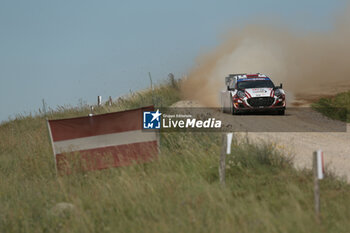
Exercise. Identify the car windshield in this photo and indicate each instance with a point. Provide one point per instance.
(255, 84)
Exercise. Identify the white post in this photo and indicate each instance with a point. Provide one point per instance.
(225, 149)
(91, 111)
(320, 165)
(110, 101)
(229, 142)
(318, 170)
(44, 107)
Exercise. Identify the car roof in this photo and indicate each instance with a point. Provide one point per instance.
(244, 77)
(252, 79)
(257, 75)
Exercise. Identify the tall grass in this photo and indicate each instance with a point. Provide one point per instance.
(337, 107)
(178, 192)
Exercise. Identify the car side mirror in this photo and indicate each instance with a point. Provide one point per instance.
(278, 87)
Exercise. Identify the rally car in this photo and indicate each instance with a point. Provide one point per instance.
(252, 92)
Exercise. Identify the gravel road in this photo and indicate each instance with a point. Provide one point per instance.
(300, 132)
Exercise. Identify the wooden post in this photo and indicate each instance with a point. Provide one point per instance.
(52, 146)
(222, 164)
(172, 80)
(316, 187)
(99, 100)
(110, 101)
(158, 141)
(150, 79)
(44, 107)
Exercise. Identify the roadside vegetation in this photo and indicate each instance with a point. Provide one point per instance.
(337, 107)
(178, 192)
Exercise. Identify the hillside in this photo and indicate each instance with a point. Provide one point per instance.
(178, 192)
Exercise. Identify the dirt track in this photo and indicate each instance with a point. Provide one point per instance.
(300, 132)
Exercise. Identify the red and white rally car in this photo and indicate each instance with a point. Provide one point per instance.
(252, 92)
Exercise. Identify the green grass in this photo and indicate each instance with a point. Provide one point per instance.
(178, 192)
(337, 107)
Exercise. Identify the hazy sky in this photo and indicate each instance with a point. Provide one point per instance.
(64, 51)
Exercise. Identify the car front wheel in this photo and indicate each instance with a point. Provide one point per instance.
(281, 112)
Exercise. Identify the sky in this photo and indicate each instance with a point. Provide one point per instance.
(70, 51)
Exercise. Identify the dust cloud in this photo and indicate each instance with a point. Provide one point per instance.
(309, 65)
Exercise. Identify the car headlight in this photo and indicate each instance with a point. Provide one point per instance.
(240, 94)
(278, 93)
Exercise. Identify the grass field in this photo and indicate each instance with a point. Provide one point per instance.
(178, 192)
(337, 107)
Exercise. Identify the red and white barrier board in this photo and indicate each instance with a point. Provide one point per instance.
(102, 141)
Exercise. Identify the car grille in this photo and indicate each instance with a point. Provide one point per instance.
(261, 101)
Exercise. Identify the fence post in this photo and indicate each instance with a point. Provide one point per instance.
(150, 79)
(110, 101)
(99, 100)
(44, 107)
(91, 111)
(172, 80)
(222, 164)
(225, 149)
(318, 170)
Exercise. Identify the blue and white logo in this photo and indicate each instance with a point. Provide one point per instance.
(151, 120)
